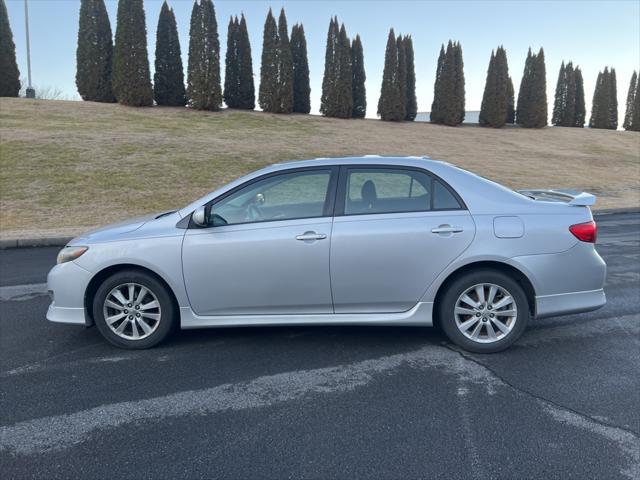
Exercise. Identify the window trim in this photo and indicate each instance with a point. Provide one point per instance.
(341, 193)
(327, 211)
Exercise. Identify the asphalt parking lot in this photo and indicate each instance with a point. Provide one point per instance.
(320, 402)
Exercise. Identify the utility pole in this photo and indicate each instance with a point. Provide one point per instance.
(31, 93)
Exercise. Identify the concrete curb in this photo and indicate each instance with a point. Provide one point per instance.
(62, 241)
(34, 242)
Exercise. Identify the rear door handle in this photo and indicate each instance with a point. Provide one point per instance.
(306, 236)
(446, 229)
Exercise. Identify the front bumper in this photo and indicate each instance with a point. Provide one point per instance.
(67, 284)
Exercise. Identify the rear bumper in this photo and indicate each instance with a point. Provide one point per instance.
(568, 303)
(566, 282)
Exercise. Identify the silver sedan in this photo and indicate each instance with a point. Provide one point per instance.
(351, 241)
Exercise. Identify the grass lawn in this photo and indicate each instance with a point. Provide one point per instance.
(69, 166)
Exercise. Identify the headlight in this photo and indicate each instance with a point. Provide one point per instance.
(70, 253)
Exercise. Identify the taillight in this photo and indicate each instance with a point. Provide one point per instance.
(585, 232)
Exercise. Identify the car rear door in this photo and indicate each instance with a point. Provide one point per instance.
(394, 231)
(266, 250)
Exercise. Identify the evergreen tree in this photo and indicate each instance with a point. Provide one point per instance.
(168, 80)
(511, 103)
(131, 77)
(436, 106)
(635, 117)
(402, 73)
(330, 78)
(232, 72)
(269, 67)
(613, 100)
(337, 84)
(359, 76)
(246, 90)
(449, 95)
(284, 86)
(631, 100)
(94, 54)
(392, 103)
(458, 91)
(560, 97)
(9, 73)
(411, 109)
(604, 109)
(580, 111)
(494, 111)
(301, 87)
(532, 98)
(203, 82)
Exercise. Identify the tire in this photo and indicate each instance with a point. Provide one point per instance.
(152, 317)
(506, 316)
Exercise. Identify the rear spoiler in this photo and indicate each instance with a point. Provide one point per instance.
(572, 197)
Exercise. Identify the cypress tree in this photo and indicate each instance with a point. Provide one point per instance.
(402, 74)
(345, 77)
(337, 84)
(613, 101)
(458, 91)
(494, 111)
(596, 121)
(203, 83)
(631, 99)
(359, 76)
(580, 112)
(269, 65)
(330, 78)
(511, 104)
(94, 54)
(131, 77)
(246, 90)
(411, 109)
(532, 98)
(569, 117)
(436, 106)
(231, 72)
(301, 87)
(449, 95)
(635, 116)
(560, 97)
(9, 73)
(392, 103)
(284, 86)
(168, 80)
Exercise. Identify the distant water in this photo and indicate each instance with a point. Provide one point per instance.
(469, 117)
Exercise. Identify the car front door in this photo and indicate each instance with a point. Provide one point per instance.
(265, 249)
(395, 230)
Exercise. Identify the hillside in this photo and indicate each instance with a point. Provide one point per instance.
(67, 166)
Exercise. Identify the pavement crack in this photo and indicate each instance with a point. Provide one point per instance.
(540, 398)
(627, 440)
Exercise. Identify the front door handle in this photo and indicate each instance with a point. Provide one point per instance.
(306, 236)
(446, 229)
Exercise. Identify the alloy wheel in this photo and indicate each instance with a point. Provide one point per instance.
(132, 311)
(485, 313)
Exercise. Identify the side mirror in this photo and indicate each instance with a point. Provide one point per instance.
(199, 217)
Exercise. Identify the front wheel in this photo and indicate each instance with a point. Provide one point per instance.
(133, 310)
(484, 311)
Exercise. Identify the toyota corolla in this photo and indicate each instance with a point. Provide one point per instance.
(349, 241)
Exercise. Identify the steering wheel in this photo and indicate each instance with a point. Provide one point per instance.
(253, 213)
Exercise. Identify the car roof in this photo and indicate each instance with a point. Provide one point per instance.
(417, 161)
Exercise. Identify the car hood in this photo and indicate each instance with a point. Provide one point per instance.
(113, 231)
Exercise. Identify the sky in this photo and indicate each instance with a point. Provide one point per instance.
(592, 34)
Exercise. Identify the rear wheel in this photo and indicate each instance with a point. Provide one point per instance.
(484, 311)
(133, 310)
